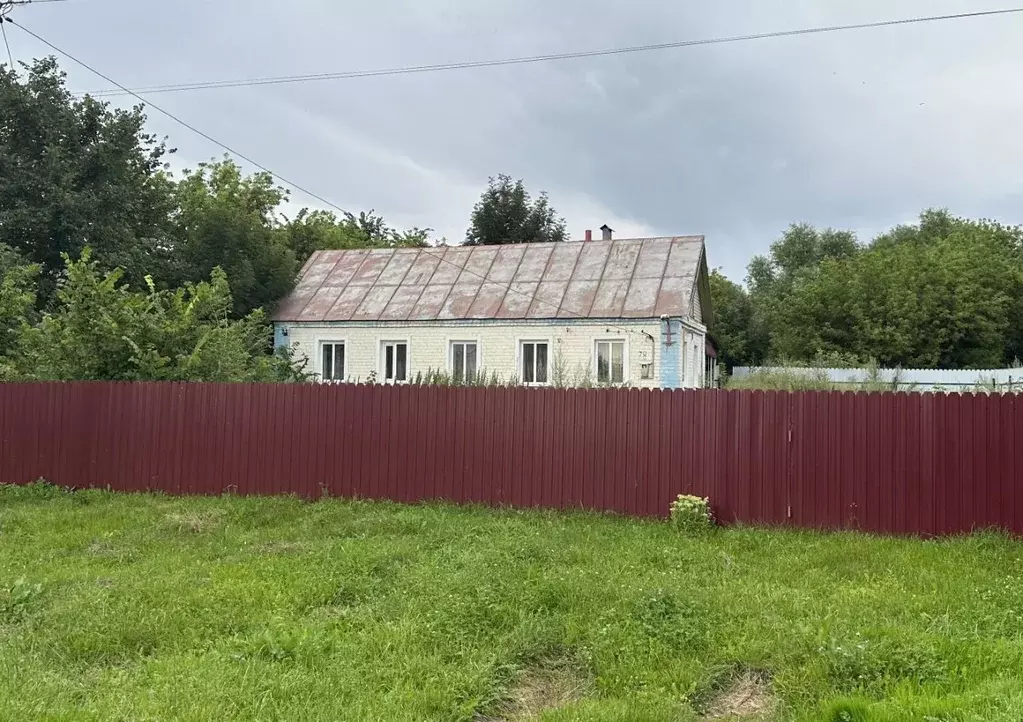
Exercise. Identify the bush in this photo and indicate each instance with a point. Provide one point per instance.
(691, 514)
(40, 489)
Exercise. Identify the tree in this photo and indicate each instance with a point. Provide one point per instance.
(942, 294)
(320, 231)
(17, 299)
(734, 327)
(10, 258)
(505, 213)
(796, 256)
(100, 329)
(802, 248)
(228, 221)
(75, 173)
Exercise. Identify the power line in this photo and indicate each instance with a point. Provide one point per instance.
(280, 178)
(178, 120)
(10, 55)
(5, 10)
(406, 70)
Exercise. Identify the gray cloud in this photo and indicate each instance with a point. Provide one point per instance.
(855, 130)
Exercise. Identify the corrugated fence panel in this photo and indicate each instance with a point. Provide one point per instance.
(889, 463)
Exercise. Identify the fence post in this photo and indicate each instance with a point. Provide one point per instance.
(790, 470)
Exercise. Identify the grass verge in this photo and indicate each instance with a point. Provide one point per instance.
(148, 607)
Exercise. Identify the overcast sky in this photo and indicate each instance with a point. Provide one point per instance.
(857, 130)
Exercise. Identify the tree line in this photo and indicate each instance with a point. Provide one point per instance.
(945, 292)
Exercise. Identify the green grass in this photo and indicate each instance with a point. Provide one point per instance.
(138, 607)
(782, 378)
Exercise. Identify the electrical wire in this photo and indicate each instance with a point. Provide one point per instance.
(5, 9)
(178, 120)
(10, 55)
(405, 70)
(484, 279)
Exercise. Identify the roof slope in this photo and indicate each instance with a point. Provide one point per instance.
(637, 278)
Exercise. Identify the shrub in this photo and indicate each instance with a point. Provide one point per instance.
(40, 490)
(691, 514)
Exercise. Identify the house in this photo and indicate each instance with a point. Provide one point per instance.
(609, 312)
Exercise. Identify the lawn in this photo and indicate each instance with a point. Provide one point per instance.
(139, 607)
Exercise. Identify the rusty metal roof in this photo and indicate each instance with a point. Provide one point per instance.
(627, 278)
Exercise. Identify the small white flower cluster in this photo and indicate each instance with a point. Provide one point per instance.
(691, 513)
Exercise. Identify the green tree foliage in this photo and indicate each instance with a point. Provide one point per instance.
(505, 213)
(800, 250)
(17, 299)
(792, 258)
(944, 293)
(226, 220)
(742, 341)
(100, 329)
(321, 230)
(918, 297)
(10, 258)
(76, 173)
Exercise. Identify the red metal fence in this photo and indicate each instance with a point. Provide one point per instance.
(920, 463)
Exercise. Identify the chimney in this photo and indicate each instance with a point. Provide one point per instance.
(607, 231)
(589, 235)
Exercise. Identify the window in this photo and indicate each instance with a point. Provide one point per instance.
(464, 361)
(395, 362)
(610, 362)
(332, 361)
(534, 362)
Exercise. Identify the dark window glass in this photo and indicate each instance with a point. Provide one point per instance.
(401, 365)
(328, 362)
(528, 364)
(470, 361)
(458, 362)
(541, 363)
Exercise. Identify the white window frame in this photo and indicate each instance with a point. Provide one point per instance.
(451, 353)
(625, 359)
(319, 359)
(520, 357)
(382, 359)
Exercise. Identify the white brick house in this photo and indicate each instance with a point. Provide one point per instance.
(629, 312)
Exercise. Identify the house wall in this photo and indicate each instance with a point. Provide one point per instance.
(670, 368)
(693, 351)
(696, 312)
(572, 344)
